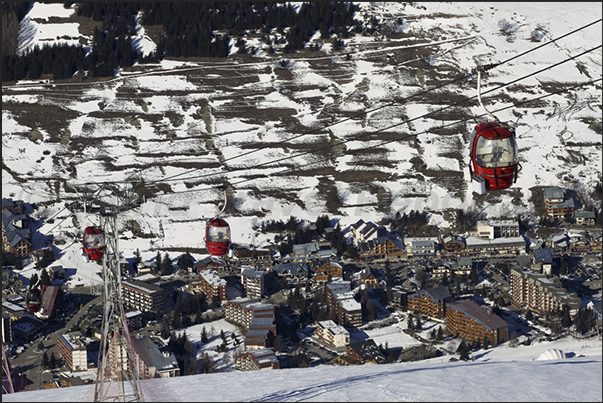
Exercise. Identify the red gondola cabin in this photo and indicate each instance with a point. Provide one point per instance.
(93, 243)
(217, 237)
(33, 300)
(493, 154)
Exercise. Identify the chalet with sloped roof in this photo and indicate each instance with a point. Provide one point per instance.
(367, 278)
(361, 353)
(585, 217)
(380, 248)
(440, 268)
(252, 256)
(452, 244)
(578, 244)
(464, 265)
(331, 269)
(16, 235)
(595, 239)
(293, 271)
(366, 231)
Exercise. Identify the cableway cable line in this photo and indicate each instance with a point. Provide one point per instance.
(361, 136)
(360, 114)
(402, 138)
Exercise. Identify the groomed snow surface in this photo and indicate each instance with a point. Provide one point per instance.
(575, 379)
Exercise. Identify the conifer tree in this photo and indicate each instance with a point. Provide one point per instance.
(137, 259)
(158, 263)
(409, 322)
(567, 320)
(44, 278)
(167, 266)
(562, 268)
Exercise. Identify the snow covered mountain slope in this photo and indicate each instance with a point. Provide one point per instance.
(379, 128)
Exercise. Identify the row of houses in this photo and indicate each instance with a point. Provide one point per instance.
(490, 237)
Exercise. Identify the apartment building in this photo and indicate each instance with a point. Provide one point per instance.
(400, 297)
(142, 296)
(73, 351)
(7, 333)
(261, 333)
(253, 282)
(543, 261)
(493, 229)
(421, 246)
(340, 300)
(540, 293)
(556, 202)
(430, 302)
(330, 332)
(259, 319)
(210, 284)
(498, 246)
(151, 361)
(470, 321)
(248, 256)
(243, 310)
(254, 360)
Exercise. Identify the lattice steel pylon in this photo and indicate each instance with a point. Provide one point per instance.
(7, 374)
(117, 377)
